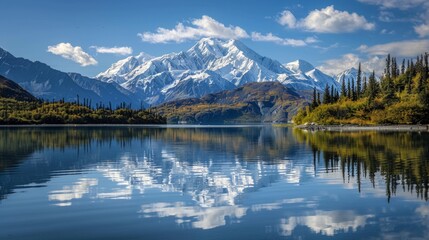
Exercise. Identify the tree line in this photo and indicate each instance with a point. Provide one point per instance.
(400, 96)
(77, 112)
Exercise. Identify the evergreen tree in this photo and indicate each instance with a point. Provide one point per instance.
(403, 66)
(358, 81)
(343, 87)
(332, 94)
(326, 95)
(365, 86)
(387, 69)
(394, 67)
(314, 104)
(353, 91)
(387, 82)
(426, 67)
(408, 85)
(349, 91)
(372, 87)
(318, 98)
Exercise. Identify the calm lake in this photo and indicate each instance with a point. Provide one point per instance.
(212, 182)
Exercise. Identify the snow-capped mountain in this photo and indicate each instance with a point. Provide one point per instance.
(211, 65)
(118, 71)
(45, 82)
(299, 66)
(351, 74)
(305, 77)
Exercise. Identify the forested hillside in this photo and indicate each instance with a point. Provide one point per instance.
(400, 97)
(37, 112)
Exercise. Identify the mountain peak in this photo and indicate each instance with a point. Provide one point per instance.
(123, 67)
(299, 66)
(351, 74)
(211, 41)
(219, 46)
(143, 57)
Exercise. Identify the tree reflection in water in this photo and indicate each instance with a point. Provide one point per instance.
(401, 158)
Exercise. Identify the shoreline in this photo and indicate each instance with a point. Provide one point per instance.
(353, 128)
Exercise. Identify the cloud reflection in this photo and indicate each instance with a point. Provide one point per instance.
(201, 217)
(76, 191)
(327, 223)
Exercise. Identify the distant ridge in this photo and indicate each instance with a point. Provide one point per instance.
(10, 89)
(252, 102)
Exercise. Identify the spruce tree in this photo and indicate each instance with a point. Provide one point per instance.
(372, 87)
(426, 67)
(387, 82)
(314, 104)
(326, 95)
(349, 91)
(358, 81)
(365, 86)
(318, 98)
(343, 87)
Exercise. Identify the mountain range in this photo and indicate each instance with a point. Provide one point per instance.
(47, 83)
(210, 66)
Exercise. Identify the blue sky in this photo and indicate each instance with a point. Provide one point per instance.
(87, 36)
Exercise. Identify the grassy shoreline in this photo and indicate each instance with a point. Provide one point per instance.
(350, 128)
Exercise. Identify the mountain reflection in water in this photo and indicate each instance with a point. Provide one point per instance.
(271, 181)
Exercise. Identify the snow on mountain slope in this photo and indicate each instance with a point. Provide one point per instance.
(351, 74)
(321, 79)
(118, 71)
(306, 77)
(299, 66)
(210, 65)
(45, 82)
(108, 92)
(41, 80)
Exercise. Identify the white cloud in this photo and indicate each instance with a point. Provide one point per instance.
(326, 48)
(327, 20)
(385, 31)
(311, 40)
(287, 19)
(400, 4)
(76, 54)
(114, 50)
(203, 27)
(258, 37)
(347, 61)
(385, 16)
(410, 48)
(422, 30)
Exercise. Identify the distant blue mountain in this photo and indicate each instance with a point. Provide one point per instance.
(47, 83)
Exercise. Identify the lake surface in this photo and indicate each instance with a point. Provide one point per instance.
(212, 182)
